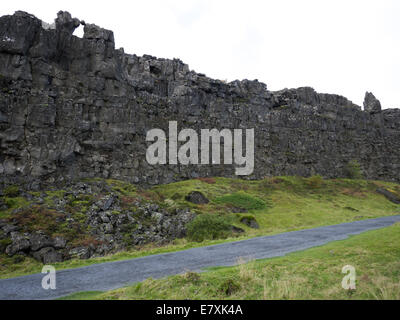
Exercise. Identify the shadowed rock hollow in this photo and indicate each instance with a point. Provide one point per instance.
(76, 107)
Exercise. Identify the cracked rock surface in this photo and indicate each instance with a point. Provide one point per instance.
(76, 107)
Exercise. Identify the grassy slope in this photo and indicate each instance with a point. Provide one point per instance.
(311, 274)
(291, 203)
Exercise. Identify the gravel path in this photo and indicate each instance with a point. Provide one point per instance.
(112, 275)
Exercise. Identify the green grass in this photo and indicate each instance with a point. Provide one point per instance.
(241, 200)
(278, 204)
(292, 203)
(11, 191)
(12, 204)
(208, 226)
(311, 274)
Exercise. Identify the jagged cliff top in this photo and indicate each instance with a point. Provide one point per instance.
(24, 34)
(75, 107)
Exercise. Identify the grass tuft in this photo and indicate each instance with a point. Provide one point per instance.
(242, 200)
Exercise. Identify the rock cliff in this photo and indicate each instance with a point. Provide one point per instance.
(75, 107)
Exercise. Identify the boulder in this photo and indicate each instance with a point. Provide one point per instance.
(250, 222)
(39, 241)
(237, 229)
(108, 203)
(20, 243)
(3, 205)
(59, 243)
(48, 255)
(80, 252)
(238, 210)
(196, 197)
(8, 228)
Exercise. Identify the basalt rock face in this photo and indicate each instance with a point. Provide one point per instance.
(76, 107)
(371, 104)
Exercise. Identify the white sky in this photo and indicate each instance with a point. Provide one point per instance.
(343, 46)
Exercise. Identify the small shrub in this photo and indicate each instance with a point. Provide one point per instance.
(137, 287)
(353, 170)
(4, 243)
(176, 196)
(38, 218)
(18, 258)
(208, 226)
(127, 202)
(242, 200)
(192, 277)
(10, 202)
(15, 202)
(11, 191)
(87, 241)
(121, 187)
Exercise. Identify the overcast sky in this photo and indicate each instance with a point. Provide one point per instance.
(345, 47)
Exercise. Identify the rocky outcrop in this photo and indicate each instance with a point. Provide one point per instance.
(197, 198)
(371, 104)
(76, 107)
(389, 195)
(88, 220)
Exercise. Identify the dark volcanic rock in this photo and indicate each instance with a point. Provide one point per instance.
(389, 195)
(76, 107)
(59, 243)
(80, 253)
(39, 241)
(252, 223)
(48, 255)
(238, 210)
(65, 23)
(17, 33)
(196, 197)
(237, 229)
(104, 223)
(20, 243)
(108, 204)
(371, 104)
(8, 228)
